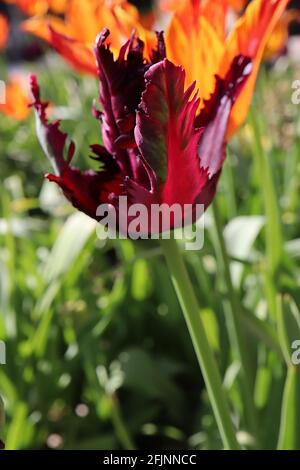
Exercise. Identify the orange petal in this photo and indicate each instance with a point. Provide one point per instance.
(237, 4)
(39, 26)
(76, 53)
(215, 11)
(4, 31)
(74, 36)
(187, 36)
(82, 19)
(170, 5)
(280, 35)
(249, 37)
(85, 19)
(58, 6)
(17, 100)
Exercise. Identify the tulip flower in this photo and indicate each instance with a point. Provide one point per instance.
(16, 104)
(157, 147)
(158, 150)
(190, 33)
(4, 30)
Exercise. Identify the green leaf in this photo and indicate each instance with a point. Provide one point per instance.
(211, 328)
(141, 280)
(142, 374)
(262, 160)
(292, 247)
(40, 338)
(289, 434)
(262, 386)
(240, 235)
(16, 430)
(288, 324)
(73, 236)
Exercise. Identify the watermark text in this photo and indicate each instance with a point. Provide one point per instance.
(152, 221)
(296, 93)
(296, 354)
(2, 92)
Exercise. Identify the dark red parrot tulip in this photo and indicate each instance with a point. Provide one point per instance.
(158, 148)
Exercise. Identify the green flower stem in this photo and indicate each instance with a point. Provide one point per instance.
(207, 362)
(121, 431)
(236, 325)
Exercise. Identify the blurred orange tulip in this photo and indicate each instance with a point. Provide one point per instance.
(38, 7)
(280, 35)
(17, 101)
(203, 51)
(4, 30)
(196, 37)
(73, 37)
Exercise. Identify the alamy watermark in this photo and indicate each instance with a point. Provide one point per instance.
(2, 353)
(296, 93)
(296, 354)
(152, 221)
(2, 92)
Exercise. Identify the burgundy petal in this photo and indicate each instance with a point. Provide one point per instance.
(215, 115)
(159, 53)
(86, 190)
(121, 85)
(52, 139)
(166, 135)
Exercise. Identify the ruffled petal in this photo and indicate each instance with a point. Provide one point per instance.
(122, 82)
(215, 116)
(166, 136)
(249, 37)
(86, 190)
(187, 37)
